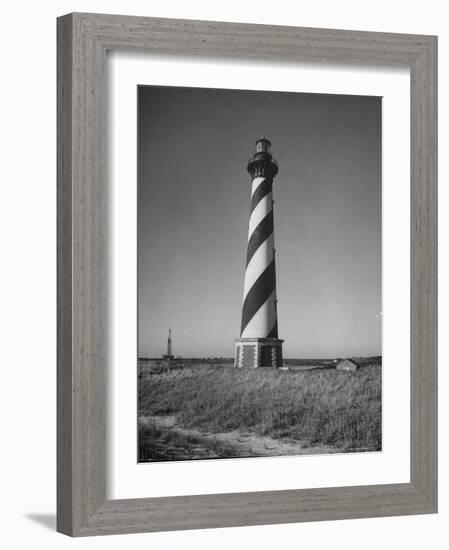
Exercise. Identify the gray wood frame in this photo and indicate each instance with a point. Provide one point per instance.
(83, 40)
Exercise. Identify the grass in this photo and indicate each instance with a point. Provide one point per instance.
(318, 407)
(157, 443)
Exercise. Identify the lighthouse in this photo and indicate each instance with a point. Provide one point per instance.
(259, 345)
(169, 355)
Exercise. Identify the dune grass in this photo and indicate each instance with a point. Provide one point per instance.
(318, 407)
(158, 443)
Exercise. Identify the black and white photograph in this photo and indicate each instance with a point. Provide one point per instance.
(259, 273)
(221, 230)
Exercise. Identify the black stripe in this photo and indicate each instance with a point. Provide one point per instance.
(274, 331)
(259, 235)
(259, 294)
(264, 188)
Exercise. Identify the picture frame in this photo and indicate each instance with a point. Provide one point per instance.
(82, 506)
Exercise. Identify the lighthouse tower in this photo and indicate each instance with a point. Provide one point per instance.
(259, 345)
(169, 355)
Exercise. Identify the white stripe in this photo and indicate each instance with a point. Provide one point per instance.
(263, 321)
(255, 184)
(258, 263)
(264, 207)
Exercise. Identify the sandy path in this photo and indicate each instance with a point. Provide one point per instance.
(244, 443)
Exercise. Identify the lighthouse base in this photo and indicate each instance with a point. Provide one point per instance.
(253, 353)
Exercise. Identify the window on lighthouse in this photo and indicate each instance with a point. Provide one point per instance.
(262, 146)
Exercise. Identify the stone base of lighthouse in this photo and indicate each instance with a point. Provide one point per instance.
(258, 352)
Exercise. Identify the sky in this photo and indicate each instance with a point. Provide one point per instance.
(193, 211)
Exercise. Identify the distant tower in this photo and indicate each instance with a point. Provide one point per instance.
(259, 345)
(169, 354)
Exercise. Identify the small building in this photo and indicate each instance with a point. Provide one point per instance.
(347, 364)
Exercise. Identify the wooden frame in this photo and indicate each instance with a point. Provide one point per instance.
(83, 40)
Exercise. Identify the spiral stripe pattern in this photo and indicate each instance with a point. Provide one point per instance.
(259, 315)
